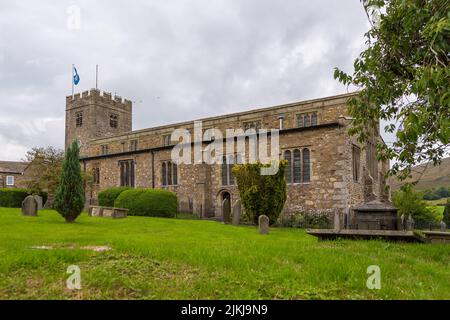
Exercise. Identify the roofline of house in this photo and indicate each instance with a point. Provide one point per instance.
(147, 150)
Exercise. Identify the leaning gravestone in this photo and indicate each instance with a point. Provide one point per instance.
(39, 201)
(226, 210)
(29, 206)
(237, 213)
(263, 223)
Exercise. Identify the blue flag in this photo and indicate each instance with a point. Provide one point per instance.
(76, 77)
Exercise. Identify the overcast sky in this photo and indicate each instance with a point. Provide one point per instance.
(179, 60)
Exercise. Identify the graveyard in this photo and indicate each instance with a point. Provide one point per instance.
(161, 258)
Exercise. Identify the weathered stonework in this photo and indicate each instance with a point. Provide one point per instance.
(199, 187)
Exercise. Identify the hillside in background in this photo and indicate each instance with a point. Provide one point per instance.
(433, 177)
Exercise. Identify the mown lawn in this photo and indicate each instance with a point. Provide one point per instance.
(153, 258)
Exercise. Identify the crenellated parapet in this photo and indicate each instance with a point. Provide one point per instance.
(96, 114)
(97, 96)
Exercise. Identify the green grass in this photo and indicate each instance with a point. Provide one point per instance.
(157, 258)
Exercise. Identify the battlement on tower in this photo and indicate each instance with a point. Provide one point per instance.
(95, 114)
(97, 96)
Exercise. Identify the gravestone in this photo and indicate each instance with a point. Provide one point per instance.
(237, 213)
(263, 223)
(402, 222)
(337, 221)
(410, 223)
(226, 207)
(443, 226)
(39, 201)
(184, 205)
(29, 206)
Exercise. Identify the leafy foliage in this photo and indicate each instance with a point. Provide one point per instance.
(409, 202)
(69, 197)
(44, 169)
(317, 220)
(107, 197)
(436, 194)
(446, 218)
(13, 197)
(404, 77)
(261, 194)
(148, 202)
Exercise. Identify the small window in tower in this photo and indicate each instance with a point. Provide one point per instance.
(166, 140)
(104, 149)
(113, 120)
(79, 119)
(133, 145)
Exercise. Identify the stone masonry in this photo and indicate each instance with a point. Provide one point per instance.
(332, 186)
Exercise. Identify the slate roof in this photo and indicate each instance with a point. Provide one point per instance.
(12, 167)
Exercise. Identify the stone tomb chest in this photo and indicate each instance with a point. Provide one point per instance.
(374, 215)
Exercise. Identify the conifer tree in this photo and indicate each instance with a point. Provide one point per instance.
(69, 198)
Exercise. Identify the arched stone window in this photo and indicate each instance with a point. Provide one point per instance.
(297, 166)
(288, 172)
(175, 174)
(227, 170)
(163, 175)
(169, 173)
(306, 165)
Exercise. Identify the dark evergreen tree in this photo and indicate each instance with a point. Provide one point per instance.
(69, 198)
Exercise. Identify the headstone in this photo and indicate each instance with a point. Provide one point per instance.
(410, 223)
(402, 222)
(263, 223)
(443, 226)
(184, 205)
(39, 201)
(29, 206)
(337, 221)
(347, 219)
(237, 213)
(226, 207)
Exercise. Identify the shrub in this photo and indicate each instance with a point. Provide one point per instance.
(446, 214)
(261, 194)
(12, 198)
(409, 202)
(316, 220)
(107, 197)
(148, 202)
(69, 197)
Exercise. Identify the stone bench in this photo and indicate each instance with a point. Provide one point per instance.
(109, 212)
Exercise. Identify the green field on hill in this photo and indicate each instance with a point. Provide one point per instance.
(156, 258)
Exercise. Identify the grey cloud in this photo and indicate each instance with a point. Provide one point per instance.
(184, 60)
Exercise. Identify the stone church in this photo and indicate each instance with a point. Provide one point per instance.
(328, 169)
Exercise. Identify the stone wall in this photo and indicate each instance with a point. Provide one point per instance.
(200, 188)
(96, 108)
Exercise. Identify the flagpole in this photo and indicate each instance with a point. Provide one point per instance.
(96, 77)
(71, 78)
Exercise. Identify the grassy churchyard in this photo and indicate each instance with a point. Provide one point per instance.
(157, 258)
